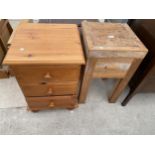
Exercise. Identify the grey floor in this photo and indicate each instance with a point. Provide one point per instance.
(97, 116)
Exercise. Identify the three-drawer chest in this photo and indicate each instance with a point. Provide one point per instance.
(46, 60)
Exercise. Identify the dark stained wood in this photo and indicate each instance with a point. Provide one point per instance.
(5, 33)
(144, 78)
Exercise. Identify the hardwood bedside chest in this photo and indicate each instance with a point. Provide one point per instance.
(112, 51)
(46, 60)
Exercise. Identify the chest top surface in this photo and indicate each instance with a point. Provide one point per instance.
(35, 43)
(114, 37)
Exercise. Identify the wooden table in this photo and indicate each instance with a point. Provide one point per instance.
(112, 51)
(46, 60)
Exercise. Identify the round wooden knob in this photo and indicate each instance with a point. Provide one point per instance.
(51, 104)
(105, 67)
(50, 91)
(47, 76)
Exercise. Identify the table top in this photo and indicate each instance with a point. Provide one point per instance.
(35, 43)
(111, 37)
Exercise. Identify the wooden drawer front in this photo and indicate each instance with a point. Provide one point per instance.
(39, 103)
(50, 89)
(46, 74)
(111, 69)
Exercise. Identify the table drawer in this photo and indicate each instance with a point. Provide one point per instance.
(46, 74)
(50, 89)
(39, 103)
(111, 69)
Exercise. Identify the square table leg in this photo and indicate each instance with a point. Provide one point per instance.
(88, 72)
(122, 83)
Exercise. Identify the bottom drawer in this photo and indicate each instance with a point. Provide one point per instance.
(50, 89)
(41, 103)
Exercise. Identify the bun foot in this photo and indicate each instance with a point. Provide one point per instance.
(73, 107)
(34, 111)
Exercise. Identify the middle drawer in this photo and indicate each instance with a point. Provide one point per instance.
(70, 88)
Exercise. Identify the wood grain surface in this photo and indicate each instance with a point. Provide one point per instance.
(41, 103)
(39, 74)
(35, 43)
(113, 39)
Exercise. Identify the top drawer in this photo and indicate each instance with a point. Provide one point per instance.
(46, 74)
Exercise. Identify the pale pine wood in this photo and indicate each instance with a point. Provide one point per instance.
(42, 103)
(37, 74)
(49, 65)
(1, 54)
(14, 31)
(35, 43)
(69, 88)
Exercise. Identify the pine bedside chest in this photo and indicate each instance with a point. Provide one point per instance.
(112, 51)
(46, 60)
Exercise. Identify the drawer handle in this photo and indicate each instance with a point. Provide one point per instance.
(51, 105)
(47, 76)
(50, 91)
(43, 82)
(105, 67)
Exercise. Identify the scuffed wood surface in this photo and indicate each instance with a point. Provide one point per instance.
(35, 43)
(114, 38)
